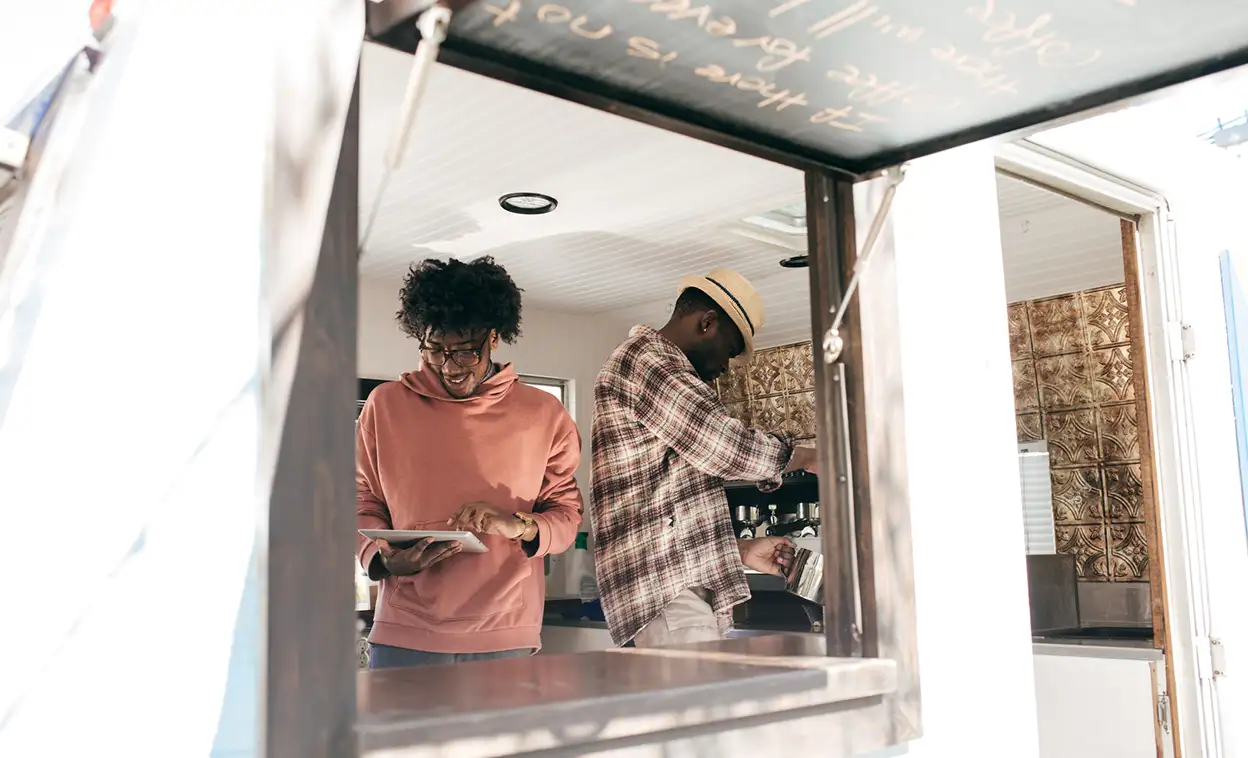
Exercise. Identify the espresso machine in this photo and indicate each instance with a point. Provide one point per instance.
(791, 511)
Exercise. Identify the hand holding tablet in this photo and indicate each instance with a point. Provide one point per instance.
(419, 550)
(468, 542)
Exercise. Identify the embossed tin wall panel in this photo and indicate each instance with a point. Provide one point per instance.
(1029, 429)
(1073, 387)
(774, 391)
(1072, 368)
(1020, 331)
(1105, 313)
(1056, 325)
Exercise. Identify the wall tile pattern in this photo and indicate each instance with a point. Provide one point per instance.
(1073, 387)
(775, 391)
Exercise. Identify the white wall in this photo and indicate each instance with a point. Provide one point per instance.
(975, 655)
(555, 345)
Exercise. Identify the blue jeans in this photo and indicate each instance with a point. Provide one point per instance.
(388, 657)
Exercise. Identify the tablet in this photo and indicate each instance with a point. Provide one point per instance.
(398, 537)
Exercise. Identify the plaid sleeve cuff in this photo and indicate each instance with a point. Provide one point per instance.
(773, 484)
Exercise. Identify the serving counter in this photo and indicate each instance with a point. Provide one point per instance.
(719, 696)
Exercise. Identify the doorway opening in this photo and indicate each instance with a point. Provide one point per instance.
(1087, 469)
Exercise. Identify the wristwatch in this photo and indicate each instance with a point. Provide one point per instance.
(530, 526)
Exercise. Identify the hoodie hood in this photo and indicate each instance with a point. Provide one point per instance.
(428, 384)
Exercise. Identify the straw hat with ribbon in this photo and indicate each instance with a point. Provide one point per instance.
(736, 296)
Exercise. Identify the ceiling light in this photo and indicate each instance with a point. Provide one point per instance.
(783, 227)
(528, 203)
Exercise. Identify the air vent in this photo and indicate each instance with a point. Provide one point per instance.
(1038, 524)
(783, 227)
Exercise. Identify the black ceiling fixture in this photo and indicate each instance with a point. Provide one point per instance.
(797, 261)
(528, 203)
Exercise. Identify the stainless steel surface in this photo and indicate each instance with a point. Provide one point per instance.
(746, 520)
(806, 576)
(1115, 603)
(747, 514)
(495, 708)
(1127, 650)
(1053, 593)
(1103, 632)
(768, 646)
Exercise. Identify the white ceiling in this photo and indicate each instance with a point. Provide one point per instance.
(1052, 244)
(638, 207)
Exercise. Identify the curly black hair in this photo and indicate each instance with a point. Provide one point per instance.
(453, 296)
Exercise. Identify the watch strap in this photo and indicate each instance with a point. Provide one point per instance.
(529, 522)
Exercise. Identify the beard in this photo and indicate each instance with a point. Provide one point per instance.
(703, 359)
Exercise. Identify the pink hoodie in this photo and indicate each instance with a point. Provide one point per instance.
(420, 455)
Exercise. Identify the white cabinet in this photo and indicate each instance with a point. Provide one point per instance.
(1096, 707)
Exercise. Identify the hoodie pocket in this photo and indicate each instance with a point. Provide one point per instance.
(468, 586)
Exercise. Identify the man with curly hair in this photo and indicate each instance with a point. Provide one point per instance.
(462, 444)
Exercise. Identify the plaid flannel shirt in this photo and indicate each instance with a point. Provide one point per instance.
(663, 446)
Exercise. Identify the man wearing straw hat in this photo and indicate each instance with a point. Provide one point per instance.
(668, 565)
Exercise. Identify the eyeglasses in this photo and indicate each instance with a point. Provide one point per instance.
(465, 358)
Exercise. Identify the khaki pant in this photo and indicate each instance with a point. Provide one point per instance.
(688, 618)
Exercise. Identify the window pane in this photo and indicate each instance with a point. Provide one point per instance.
(556, 391)
(556, 388)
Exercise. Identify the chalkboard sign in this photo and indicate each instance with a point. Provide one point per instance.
(853, 85)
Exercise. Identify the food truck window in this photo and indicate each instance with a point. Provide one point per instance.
(792, 233)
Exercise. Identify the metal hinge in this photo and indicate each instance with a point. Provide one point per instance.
(1210, 658)
(1163, 712)
(1182, 341)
